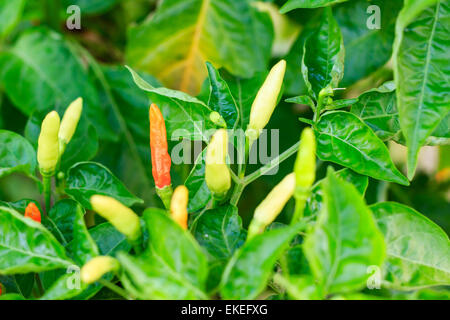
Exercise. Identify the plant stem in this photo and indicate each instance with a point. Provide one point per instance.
(115, 288)
(47, 181)
(272, 164)
(39, 285)
(237, 192)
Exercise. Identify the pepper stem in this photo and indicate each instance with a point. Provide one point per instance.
(47, 182)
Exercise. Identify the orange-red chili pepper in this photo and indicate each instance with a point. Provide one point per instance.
(32, 212)
(161, 161)
(1, 289)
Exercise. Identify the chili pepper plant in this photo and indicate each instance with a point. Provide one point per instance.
(129, 132)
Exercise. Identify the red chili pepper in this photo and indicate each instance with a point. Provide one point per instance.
(161, 161)
(1, 289)
(33, 212)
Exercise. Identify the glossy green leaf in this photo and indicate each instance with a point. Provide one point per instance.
(297, 4)
(12, 296)
(306, 100)
(323, 56)
(345, 241)
(418, 250)
(221, 99)
(109, 240)
(199, 193)
(85, 179)
(10, 13)
(184, 115)
(220, 231)
(175, 44)
(82, 247)
(32, 78)
(16, 154)
(26, 246)
(249, 269)
(421, 72)
(344, 139)
(315, 200)
(172, 267)
(66, 287)
(378, 109)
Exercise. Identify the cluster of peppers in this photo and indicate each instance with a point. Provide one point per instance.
(54, 138)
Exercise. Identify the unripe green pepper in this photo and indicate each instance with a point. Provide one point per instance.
(97, 267)
(120, 216)
(69, 123)
(271, 206)
(48, 144)
(217, 174)
(266, 101)
(305, 171)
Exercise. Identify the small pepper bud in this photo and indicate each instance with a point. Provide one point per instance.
(178, 206)
(48, 145)
(266, 99)
(97, 267)
(217, 174)
(69, 123)
(32, 212)
(305, 171)
(161, 161)
(120, 216)
(271, 206)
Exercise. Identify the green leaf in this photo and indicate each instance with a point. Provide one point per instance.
(221, 99)
(82, 248)
(247, 273)
(220, 232)
(18, 156)
(378, 109)
(65, 288)
(297, 4)
(344, 139)
(323, 56)
(26, 246)
(10, 13)
(418, 250)
(109, 240)
(88, 178)
(175, 44)
(12, 296)
(199, 194)
(172, 267)
(91, 6)
(66, 222)
(306, 100)
(366, 50)
(184, 115)
(32, 78)
(315, 200)
(421, 72)
(345, 241)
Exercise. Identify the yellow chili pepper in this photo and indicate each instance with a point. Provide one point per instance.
(266, 100)
(305, 171)
(217, 174)
(95, 268)
(69, 123)
(48, 145)
(120, 216)
(271, 206)
(178, 206)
